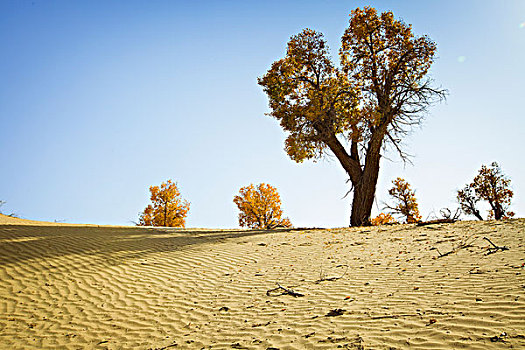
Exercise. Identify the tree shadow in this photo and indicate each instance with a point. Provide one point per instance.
(19, 243)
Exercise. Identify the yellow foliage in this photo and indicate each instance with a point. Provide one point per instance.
(492, 186)
(168, 209)
(371, 98)
(383, 219)
(260, 207)
(406, 201)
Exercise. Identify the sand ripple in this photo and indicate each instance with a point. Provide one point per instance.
(120, 288)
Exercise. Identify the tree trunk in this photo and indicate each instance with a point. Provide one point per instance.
(498, 211)
(362, 205)
(365, 187)
(165, 214)
(364, 192)
(365, 180)
(477, 214)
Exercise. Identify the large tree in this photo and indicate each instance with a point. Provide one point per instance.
(380, 91)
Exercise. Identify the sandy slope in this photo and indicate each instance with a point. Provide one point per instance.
(138, 288)
(11, 220)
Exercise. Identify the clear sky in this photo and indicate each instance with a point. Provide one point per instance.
(101, 99)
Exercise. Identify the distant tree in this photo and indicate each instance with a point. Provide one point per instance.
(468, 200)
(12, 215)
(380, 92)
(260, 207)
(406, 203)
(490, 185)
(168, 208)
(383, 219)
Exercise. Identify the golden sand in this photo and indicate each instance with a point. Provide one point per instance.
(77, 287)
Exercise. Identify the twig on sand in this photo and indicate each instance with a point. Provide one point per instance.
(436, 221)
(284, 291)
(393, 316)
(442, 255)
(447, 217)
(467, 243)
(167, 347)
(335, 278)
(496, 247)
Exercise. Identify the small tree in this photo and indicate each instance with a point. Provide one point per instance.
(383, 219)
(260, 207)
(406, 201)
(467, 200)
(12, 215)
(492, 186)
(168, 208)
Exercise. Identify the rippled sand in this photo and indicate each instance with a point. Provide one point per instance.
(74, 286)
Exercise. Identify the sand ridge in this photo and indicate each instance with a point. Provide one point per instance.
(145, 288)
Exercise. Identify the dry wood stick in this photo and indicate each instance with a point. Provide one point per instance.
(286, 291)
(393, 316)
(496, 248)
(442, 255)
(335, 278)
(462, 245)
(436, 221)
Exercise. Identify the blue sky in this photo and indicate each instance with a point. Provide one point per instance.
(101, 99)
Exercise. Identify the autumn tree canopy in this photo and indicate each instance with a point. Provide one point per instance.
(405, 201)
(490, 185)
(260, 207)
(167, 207)
(354, 112)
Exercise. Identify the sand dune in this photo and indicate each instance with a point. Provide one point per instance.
(64, 286)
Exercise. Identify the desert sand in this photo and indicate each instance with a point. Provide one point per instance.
(388, 287)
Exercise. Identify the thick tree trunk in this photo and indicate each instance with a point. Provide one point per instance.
(364, 191)
(362, 205)
(364, 180)
(497, 209)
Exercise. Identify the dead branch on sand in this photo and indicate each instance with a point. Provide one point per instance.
(284, 291)
(445, 254)
(495, 248)
(393, 316)
(322, 276)
(446, 217)
(167, 347)
(436, 221)
(467, 243)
